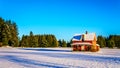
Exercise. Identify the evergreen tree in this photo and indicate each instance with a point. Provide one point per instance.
(49, 40)
(39, 40)
(8, 33)
(44, 42)
(31, 42)
(54, 42)
(1, 31)
(14, 32)
(101, 41)
(64, 43)
(60, 43)
(24, 41)
(69, 43)
(111, 43)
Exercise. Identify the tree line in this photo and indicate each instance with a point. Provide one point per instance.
(111, 41)
(8, 33)
(45, 40)
(31, 40)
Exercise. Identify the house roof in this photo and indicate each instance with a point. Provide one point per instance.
(77, 37)
(89, 36)
(86, 37)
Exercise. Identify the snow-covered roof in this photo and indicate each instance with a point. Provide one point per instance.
(86, 37)
(89, 36)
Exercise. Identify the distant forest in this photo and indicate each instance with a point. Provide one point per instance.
(9, 37)
(111, 41)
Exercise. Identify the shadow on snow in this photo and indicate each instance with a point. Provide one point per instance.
(45, 49)
(29, 62)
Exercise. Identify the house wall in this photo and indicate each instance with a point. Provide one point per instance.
(76, 41)
(82, 48)
(78, 48)
(82, 41)
(88, 41)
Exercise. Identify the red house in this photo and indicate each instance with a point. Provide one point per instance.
(85, 42)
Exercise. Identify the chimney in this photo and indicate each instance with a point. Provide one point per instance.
(86, 32)
(83, 38)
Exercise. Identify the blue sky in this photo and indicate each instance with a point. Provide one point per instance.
(63, 18)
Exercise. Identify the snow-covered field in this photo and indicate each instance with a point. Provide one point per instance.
(58, 58)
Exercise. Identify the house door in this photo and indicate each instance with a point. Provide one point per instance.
(86, 48)
(79, 47)
(74, 47)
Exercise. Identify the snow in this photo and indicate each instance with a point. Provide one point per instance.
(58, 58)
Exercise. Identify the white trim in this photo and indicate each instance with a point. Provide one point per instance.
(97, 45)
(76, 39)
(83, 43)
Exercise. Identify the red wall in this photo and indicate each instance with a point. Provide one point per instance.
(81, 41)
